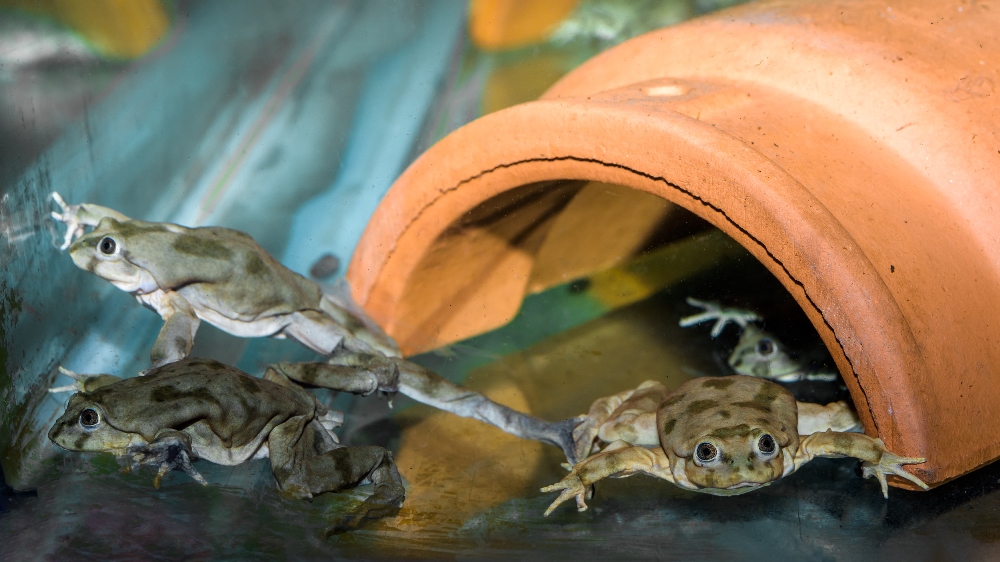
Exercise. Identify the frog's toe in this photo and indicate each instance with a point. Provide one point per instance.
(892, 464)
(713, 311)
(571, 486)
(79, 381)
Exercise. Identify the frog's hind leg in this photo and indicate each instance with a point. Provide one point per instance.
(358, 325)
(357, 373)
(304, 466)
(364, 373)
(434, 390)
(322, 334)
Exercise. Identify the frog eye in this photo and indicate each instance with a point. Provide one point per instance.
(107, 246)
(706, 452)
(766, 347)
(766, 446)
(89, 418)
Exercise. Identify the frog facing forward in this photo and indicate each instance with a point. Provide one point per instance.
(199, 408)
(223, 277)
(758, 353)
(719, 435)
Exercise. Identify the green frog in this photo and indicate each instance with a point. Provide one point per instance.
(223, 277)
(758, 353)
(202, 409)
(719, 435)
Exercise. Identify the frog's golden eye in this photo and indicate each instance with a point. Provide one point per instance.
(766, 446)
(766, 347)
(706, 452)
(89, 418)
(107, 246)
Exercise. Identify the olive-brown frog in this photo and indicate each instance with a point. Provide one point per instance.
(758, 353)
(223, 277)
(199, 408)
(719, 435)
(218, 275)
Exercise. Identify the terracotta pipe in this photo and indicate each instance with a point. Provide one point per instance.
(853, 148)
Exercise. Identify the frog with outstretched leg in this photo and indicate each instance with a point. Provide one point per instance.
(223, 277)
(718, 435)
(202, 409)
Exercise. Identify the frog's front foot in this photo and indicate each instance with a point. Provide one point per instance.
(168, 453)
(571, 486)
(890, 463)
(721, 316)
(83, 383)
(68, 215)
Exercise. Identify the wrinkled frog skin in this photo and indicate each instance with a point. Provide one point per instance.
(199, 408)
(223, 277)
(719, 435)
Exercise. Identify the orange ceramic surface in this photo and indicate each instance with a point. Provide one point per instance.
(853, 148)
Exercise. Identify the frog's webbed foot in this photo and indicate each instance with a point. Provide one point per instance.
(68, 215)
(168, 453)
(82, 382)
(78, 217)
(890, 463)
(570, 486)
(721, 316)
(356, 373)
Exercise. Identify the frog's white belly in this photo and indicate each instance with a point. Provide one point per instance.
(208, 446)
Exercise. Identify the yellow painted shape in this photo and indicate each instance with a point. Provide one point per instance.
(496, 25)
(115, 28)
(656, 270)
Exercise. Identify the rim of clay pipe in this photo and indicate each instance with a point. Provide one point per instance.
(689, 138)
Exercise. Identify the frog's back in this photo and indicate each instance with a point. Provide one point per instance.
(237, 406)
(719, 404)
(224, 262)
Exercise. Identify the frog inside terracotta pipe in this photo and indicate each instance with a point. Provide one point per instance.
(223, 277)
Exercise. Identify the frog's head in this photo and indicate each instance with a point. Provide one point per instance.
(728, 435)
(85, 427)
(109, 251)
(735, 460)
(760, 354)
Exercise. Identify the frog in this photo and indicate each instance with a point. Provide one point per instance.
(759, 353)
(719, 435)
(212, 274)
(203, 409)
(223, 277)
